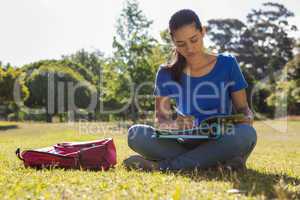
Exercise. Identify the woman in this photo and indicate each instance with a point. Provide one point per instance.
(203, 85)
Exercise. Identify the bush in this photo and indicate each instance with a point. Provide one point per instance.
(35, 117)
(287, 93)
(259, 102)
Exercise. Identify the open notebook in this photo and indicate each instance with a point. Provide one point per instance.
(209, 129)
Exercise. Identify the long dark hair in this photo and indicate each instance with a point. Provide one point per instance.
(179, 19)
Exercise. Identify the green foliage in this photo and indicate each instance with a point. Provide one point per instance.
(226, 33)
(263, 44)
(287, 92)
(58, 81)
(91, 61)
(11, 78)
(131, 66)
(166, 45)
(76, 67)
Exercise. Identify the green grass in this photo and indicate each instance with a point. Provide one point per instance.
(273, 169)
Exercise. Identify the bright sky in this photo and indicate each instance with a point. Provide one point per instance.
(31, 30)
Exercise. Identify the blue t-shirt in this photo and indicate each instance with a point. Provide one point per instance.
(203, 96)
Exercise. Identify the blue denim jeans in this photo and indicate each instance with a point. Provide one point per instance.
(172, 155)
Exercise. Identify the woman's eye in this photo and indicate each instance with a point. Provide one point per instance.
(194, 40)
(180, 45)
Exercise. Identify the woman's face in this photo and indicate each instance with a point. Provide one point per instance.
(189, 42)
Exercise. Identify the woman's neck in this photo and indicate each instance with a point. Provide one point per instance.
(199, 61)
(200, 66)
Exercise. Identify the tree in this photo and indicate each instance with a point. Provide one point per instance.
(132, 48)
(11, 83)
(53, 87)
(226, 34)
(77, 67)
(287, 93)
(298, 46)
(92, 61)
(263, 45)
(8, 78)
(166, 44)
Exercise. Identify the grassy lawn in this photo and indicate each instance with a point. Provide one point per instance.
(273, 168)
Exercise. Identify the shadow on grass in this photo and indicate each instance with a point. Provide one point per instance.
(7, 127)
(250, 182)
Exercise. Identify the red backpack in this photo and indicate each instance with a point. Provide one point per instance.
(90, 155)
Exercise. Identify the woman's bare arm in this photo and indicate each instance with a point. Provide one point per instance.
(240, 103)
(162, 109)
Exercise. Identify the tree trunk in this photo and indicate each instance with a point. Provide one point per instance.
(49, 118)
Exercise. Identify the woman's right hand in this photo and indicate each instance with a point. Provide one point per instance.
(185, 122)
(168, 125)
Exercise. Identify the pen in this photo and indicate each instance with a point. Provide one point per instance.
(179, 112)
(184, 115)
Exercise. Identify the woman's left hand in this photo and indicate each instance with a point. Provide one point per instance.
(247, 120)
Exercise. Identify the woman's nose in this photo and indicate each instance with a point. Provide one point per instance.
(189, 48)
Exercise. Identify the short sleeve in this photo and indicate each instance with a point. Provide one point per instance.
(162, 78)
(237, 78)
